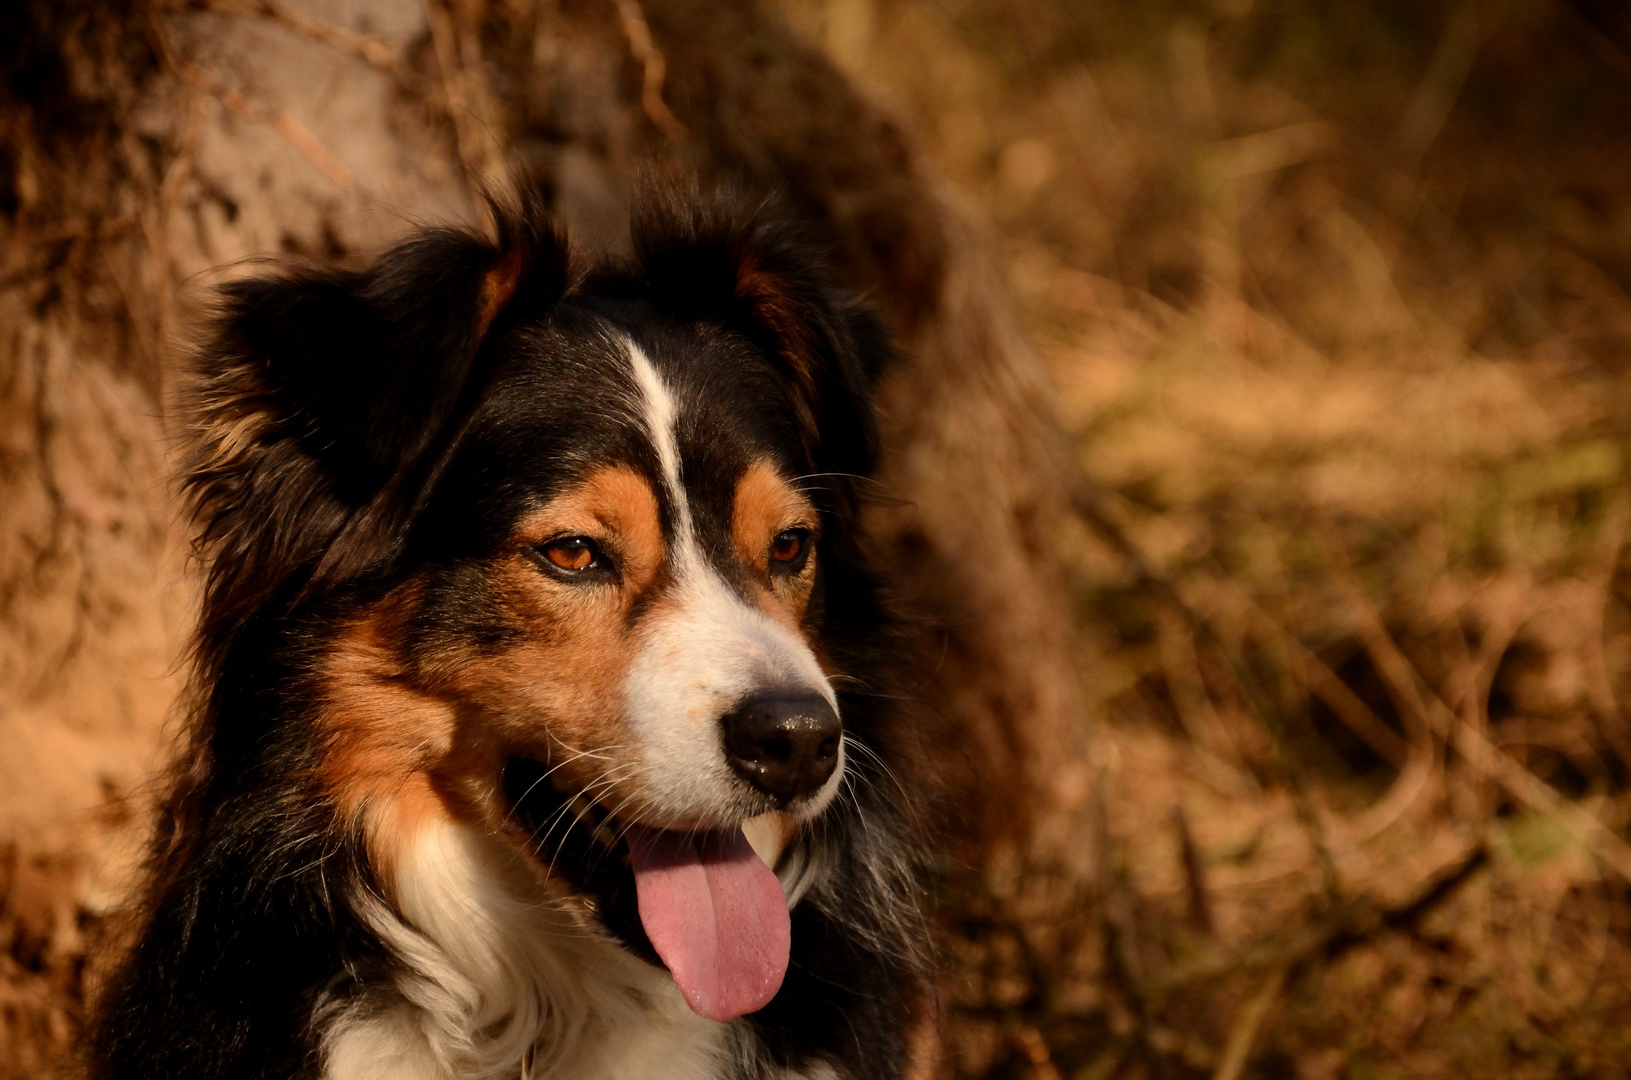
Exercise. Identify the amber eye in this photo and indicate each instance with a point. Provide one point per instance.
(789, 548)
(571, 553)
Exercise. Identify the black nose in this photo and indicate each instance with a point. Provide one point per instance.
(784, 746)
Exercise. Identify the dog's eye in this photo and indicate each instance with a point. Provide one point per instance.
(573, 554)
(789, 549)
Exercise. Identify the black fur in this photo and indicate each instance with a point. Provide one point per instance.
(353, 427)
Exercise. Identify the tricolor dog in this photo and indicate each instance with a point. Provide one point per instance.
(547, 717)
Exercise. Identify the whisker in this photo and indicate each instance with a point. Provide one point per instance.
(565, 809)
(872, 758)
(577, 755)
(603, 781)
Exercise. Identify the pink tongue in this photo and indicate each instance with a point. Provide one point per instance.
(716, 915)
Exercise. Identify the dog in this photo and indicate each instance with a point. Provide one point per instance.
(547, 716)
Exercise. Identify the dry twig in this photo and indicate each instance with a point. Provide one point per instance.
(1336, 932)
(1091, 508)
(280, 120)
(458, 60)
(1237, 1050)
(1200, 901)
(654, 69)
(1429, 710)
(1036, 1052)
(368, 49)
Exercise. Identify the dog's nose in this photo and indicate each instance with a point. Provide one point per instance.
(784, 746)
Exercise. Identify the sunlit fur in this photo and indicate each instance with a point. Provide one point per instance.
(350, 880)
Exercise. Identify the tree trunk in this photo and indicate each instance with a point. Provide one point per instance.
(143, 146)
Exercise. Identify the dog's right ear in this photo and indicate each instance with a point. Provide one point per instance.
(327, 396)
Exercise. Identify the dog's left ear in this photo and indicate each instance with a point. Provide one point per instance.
(328, 399)
(720, 258)
(375, 363)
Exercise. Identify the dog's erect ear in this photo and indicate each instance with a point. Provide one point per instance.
(326, 397)
(720, 257)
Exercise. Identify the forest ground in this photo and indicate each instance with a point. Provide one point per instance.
(1336, 298)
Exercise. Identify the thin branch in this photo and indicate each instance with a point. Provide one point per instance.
(1089, 505)
(1472, 744)
(1200, 900)
(1348, 706)
(1121, 966)
(1353, 922)
(459, 92)
(1610, 718)
(1216, 757)
(279, 120)
(1036, 1052)
(369, 50)
(654, 69)
(1397, 672)
(1238, 1049)
(1440, 87)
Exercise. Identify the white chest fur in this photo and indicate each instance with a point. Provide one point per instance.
(496, 984)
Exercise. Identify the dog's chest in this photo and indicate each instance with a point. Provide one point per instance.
(493, 984)
(393, 1045)
(663, 1047)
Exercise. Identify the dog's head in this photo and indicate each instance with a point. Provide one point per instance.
(570, 555)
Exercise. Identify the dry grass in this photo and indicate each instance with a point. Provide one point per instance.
(1335, 298)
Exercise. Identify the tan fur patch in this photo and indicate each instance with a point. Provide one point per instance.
(615, 505)
(765, 505)
(402, 746)
(557, 695)
(498, 284)
(383, 738)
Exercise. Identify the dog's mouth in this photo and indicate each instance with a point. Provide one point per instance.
(702, 904)
(581, 841)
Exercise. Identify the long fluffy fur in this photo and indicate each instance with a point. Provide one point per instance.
(326, 426)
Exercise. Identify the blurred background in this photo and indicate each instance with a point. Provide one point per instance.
(1332, 299)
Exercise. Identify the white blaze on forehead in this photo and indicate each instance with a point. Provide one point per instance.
(660, 415)
(705, 652)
